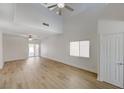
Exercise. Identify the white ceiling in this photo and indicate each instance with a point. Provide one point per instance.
(79, 8)
(23, 30)
(25, 19)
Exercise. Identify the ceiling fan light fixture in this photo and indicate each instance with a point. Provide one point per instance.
(30, 38)
(58, 8)
(61, 5)
(57, 12)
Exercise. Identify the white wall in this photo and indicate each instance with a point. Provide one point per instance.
(110, 26)
(14, 47)
(1, 50)
(81, 27)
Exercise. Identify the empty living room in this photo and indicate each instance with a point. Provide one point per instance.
(61, 45)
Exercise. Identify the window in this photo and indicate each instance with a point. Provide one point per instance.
(74, 48)
(80, 48)
(84, 48)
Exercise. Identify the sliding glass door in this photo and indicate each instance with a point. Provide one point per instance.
(34, 50)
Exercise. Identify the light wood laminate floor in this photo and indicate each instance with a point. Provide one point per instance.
(43, 73)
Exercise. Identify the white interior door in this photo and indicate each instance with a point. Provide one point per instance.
(113, 58)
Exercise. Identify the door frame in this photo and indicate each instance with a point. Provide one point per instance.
(34, 50)
(101, 76)
(106, 27)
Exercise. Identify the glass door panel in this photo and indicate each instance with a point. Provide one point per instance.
(34, 50)
(31, 50)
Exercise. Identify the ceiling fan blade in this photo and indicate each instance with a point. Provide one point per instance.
(53, 9)
(52, 6)
(69, 8)
(45, 3)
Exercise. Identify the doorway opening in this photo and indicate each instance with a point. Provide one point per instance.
(34, 50)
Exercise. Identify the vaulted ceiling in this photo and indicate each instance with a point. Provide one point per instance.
(25, 19)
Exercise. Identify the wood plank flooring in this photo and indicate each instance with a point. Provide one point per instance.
(40, 73)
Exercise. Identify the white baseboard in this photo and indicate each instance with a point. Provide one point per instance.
(11, 60)
(99, 79)
(67, 63)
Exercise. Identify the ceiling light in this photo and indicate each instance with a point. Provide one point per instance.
(30, 38)
(61, 5)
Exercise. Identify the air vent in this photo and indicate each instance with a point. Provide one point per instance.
(45, 24)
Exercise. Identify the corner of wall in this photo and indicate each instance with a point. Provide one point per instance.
(1, 66)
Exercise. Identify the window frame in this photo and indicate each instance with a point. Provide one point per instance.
(79, 49)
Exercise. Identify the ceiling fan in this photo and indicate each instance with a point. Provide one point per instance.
(59, 7)
(30, 37)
